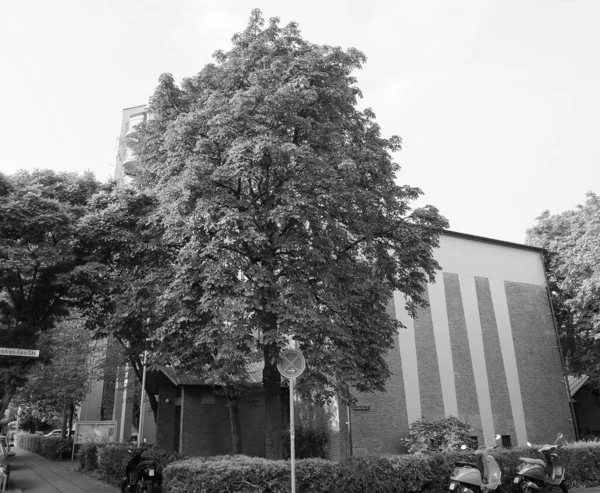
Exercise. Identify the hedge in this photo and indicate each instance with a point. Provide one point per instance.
(54, 448)
(394, 474)
(109, 461)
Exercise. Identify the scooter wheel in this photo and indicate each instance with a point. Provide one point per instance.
(524, 488)
(563, 487)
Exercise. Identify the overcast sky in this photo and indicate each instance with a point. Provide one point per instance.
(497, 102)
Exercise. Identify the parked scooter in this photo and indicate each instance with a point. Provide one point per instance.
(474, 477)
(534, 474)
(141, 475)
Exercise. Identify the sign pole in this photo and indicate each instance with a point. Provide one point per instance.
(141, 427)
(292, 436)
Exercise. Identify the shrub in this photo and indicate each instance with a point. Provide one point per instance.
(441, 435)
(309, 443)
(54, 448)
(112, 460)
(88, 456)
(419, 473)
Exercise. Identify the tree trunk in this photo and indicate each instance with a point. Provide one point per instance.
(71, 415)
(234, 419)
(65, 417)
(273, 408)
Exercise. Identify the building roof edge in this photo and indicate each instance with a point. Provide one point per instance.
(493, 241)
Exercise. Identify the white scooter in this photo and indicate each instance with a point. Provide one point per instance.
(471, 477)
(534, 474)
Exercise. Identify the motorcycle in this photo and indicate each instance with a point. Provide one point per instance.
(476, 477)
(141, 475)
(534, 474)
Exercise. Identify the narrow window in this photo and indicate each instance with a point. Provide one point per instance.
(506, 443)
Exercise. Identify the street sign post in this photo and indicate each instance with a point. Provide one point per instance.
(291, 365)
(28, 353)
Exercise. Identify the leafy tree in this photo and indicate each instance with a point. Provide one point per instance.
(284, 195)
(38, 264)
(572, 255)
(441, 435)
(54, 389)
(128, 269)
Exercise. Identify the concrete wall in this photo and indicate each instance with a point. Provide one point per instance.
(485, 350)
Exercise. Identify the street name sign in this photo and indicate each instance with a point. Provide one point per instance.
(29, 353)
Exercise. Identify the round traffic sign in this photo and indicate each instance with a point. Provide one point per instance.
(291, 363)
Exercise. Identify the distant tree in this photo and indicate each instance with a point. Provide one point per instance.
(284, 193)
(572, 243)
(38, 262)
(54, 389)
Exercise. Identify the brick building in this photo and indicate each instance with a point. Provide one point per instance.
(485, 350)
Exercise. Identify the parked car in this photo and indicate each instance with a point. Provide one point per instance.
(57, 433)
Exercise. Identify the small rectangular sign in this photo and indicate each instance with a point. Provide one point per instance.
(31, 353)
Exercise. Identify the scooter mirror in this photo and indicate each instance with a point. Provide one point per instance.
(559, 436)
(463, 447)
(129, 451)
(498, 437)
(529, 444)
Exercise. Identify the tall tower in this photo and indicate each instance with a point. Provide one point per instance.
(125, 167)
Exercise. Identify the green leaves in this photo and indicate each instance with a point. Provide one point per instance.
(572, 243)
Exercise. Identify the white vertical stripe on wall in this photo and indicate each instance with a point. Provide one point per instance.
(443, 348)
(473, 322)
(408, 357)
(509, 359)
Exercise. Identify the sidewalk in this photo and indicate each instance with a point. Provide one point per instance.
(34, 474)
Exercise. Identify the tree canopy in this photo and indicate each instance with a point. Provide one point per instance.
(38, 261)
(282, 194)
(572, 243)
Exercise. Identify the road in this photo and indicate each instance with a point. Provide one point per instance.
(33, 474)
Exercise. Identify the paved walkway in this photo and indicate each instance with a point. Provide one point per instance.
(31, 473)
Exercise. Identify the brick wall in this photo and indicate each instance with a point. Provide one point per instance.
(538, 361)
(165, 420)
(466, 394)
(206, 425)
(500, 400)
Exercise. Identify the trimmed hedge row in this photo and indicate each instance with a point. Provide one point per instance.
(109, 461)
(395, 474)
(54, 448)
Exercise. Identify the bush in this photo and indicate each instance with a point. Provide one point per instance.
(397, 474)
(309, 443)
(112, 459)
(441, 435)
(54, 448)
(88, 456)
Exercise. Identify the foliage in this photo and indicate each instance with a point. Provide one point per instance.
(309, 443)
(131, 267)
(112, 459)
(88, 456)
(38, 262)
(437, 436)
(283, 195)
(572, 252)
(54, 448)
(396, 474)
(54, 386)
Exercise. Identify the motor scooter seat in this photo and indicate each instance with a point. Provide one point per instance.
(533, 461)
(460, 463)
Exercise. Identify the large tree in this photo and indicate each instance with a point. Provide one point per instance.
(286, 196)
(38, 263)
(572, 252)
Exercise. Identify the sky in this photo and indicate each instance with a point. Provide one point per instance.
(497, 102)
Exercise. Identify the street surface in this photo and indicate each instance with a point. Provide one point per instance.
(31, 473)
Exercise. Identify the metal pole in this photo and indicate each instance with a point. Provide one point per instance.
(292, 437)
(141, 427)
